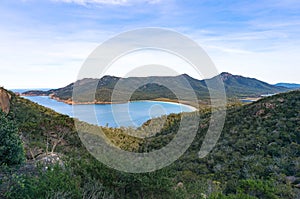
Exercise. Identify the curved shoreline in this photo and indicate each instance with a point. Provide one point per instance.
(164, 100)
(70, 102)
(192, 108)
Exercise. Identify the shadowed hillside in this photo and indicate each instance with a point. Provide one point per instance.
(257, 156)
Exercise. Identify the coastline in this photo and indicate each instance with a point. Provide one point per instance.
(186, 104)
(251, 99)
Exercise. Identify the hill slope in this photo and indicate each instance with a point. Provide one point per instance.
(259, 141)
(257, 156)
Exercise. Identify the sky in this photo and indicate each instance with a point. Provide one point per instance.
(43, 43)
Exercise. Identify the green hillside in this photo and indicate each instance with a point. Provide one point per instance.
(260, 143)
(257, 156)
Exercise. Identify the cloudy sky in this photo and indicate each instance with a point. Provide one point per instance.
(43, 43)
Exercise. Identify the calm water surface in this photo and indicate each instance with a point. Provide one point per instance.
(128, 114)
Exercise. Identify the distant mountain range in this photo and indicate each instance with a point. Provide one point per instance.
(288, 85)
(154, 87)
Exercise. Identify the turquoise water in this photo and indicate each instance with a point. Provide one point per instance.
(128, 114)
(246, 101)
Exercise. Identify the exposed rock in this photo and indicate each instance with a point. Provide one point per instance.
(269, 105)
(280, 100)
(4, 100)
(225, 76)
(204, 196)
(50, 159)
(291, 179)
(260, 112)
(179, 185)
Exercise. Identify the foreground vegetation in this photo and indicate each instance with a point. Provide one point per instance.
(257, 156)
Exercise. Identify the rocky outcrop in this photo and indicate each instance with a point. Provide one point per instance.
(4, 100)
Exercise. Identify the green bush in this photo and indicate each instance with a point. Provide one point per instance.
(55, 182)
(11, 148)
(258, 188)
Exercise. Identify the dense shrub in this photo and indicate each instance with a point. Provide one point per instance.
(259, 147)
(11, 148)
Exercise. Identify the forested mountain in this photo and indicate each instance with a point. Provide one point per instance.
(257, 156)
(288, 85)
(158, 87)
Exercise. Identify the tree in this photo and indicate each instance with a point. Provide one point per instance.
(11, 148)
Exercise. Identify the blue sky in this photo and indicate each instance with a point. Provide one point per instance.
(43, 43)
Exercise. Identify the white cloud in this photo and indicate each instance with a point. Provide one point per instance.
(108, 2)
(84, 2)
(42, 62)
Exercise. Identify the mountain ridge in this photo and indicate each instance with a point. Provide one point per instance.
(235, 86)
(288, 85)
